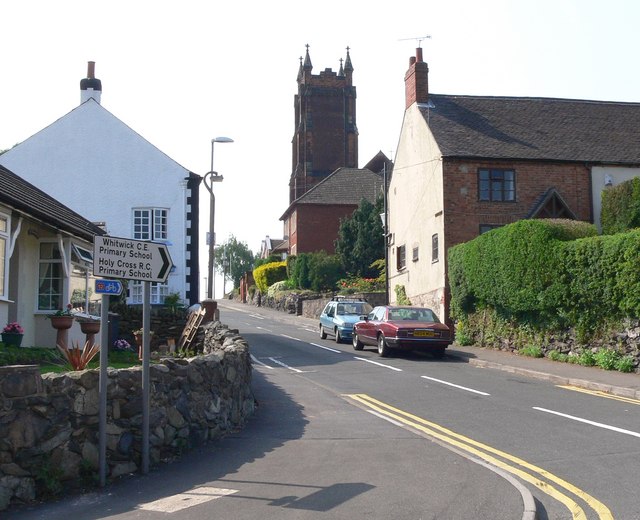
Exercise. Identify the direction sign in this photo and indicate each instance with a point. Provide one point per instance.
(116, 257)
(108, 287)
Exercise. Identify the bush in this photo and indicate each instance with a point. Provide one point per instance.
(268, 274)
(532, 351)
(606, 358)
(621, 207)
(625, 364)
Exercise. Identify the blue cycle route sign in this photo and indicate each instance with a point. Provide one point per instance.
(108, 287)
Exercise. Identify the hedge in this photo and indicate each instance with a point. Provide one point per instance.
(515, 268)
(621, 207)
(268, 274)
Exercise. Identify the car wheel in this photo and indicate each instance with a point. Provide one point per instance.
(438, 352)
(323, 334)
(383, 348)
(357, 344)
(338, 337)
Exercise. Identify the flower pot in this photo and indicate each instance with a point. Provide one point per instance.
(12, 338)
(62, 324)
(90, 328)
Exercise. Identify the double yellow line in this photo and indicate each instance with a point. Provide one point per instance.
(531, 473)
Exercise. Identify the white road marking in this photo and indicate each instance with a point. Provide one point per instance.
(326, 348)
(257, 316)
(290, 337)
(379, 364)
(285, 365)
(388, 419)
(593, 423)
(187, 499)
(262, 328)
(256, 360)
(456, 386)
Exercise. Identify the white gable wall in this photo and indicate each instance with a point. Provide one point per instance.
(416, 214)
(99, 167)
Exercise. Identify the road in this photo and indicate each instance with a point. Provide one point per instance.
(345, 434)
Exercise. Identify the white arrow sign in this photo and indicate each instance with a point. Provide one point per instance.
(116, 257)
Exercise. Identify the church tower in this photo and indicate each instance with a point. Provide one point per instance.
(326, 134)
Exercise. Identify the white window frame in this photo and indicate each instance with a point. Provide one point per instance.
(159, 291)
(156, 226)
(42, 261)
(4, 256)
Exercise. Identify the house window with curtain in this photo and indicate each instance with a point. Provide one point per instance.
(4, 261)
(150, 224)
(496, 185)
(50, 277)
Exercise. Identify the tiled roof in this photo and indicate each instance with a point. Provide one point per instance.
(26, 198)
(345, 186)
(535, 128)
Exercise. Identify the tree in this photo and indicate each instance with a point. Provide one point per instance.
(360, 239)
(233, 258)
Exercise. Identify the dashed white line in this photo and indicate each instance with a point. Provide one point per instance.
(379, 364)
(285, 365)
(587, 421)
(256, 360)
(290, 337)
(454, 385)
(326, 348)
(262, 328)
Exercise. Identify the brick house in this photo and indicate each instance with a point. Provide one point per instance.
(312, 221)
(467, 164)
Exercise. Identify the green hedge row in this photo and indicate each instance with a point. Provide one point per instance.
(548, 273)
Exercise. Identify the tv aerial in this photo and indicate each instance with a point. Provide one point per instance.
(418, 39)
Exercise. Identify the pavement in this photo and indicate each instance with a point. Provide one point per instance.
(557, 372)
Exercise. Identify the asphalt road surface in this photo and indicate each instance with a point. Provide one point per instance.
(340, 434)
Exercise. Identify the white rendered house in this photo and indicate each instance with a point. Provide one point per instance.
(92, 162)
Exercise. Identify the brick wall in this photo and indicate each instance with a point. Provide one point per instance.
(317, 226)
(464, 213)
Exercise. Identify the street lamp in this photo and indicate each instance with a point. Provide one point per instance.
(209, 178)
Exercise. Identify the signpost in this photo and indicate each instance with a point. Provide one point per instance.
(127, 259)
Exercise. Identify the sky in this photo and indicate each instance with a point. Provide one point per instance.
(183, 73)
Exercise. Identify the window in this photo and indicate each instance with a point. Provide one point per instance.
(50, 277)
(150, 224)
(401, 258)
(497, 185)
(488, 227)
(158, 292)
(416, 256)
(434, 248)
(4, 261)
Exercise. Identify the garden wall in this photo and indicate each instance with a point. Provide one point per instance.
(49, 423)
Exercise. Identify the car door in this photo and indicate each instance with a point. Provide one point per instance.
(326, 318)
(366, 329)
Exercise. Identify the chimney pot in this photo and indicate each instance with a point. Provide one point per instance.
(91, 70)
(419, 54)
(412, 60)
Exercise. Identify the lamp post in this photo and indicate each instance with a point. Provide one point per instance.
(209, 178)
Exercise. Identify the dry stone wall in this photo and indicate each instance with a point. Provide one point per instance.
(49, 424)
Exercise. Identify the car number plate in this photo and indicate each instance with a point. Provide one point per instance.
(424, 333)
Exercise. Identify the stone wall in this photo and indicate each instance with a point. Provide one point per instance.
(49, 423)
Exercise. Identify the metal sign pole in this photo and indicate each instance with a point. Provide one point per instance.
(104, 351)
(146, 350)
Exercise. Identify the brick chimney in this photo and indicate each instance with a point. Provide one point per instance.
(90, 87)
(416, 80)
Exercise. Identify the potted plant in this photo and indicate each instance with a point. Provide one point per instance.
(12, 334)
(62, 320)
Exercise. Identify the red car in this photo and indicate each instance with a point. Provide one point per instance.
(408, 328)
